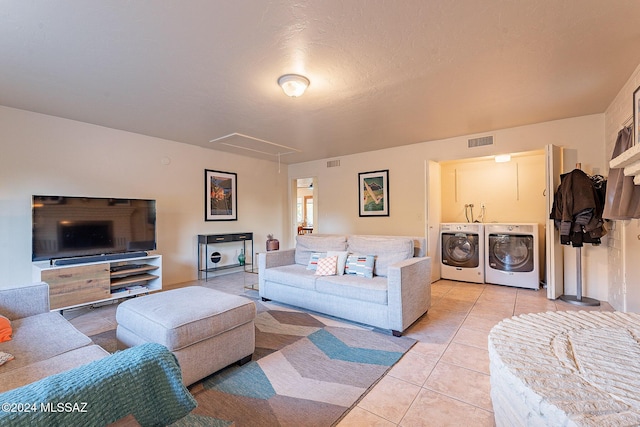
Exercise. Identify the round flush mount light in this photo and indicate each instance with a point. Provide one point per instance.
(293, 85)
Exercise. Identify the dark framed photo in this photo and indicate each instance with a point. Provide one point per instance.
(636, 114)
(220, 196)
(374, 193)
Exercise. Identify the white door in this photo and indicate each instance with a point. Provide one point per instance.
(433, 199)
(553, 249)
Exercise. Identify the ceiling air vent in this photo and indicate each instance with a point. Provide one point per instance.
(333, 163)
(479, 142)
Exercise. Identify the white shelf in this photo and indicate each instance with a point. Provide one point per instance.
(630, 162)
(628, 157)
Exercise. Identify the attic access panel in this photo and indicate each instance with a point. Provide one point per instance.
(246, 145)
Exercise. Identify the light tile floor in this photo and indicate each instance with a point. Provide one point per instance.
(444, 379)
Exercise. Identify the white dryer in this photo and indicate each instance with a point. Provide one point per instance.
(462, 250)
(512, 255)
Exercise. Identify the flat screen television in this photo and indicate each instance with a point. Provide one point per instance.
(70, 227)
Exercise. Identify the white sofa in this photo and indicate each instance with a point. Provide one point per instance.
(395, 297)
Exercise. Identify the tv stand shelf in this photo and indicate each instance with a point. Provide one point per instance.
(89, 283)
(127, 280)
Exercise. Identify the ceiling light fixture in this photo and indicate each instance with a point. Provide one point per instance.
(293, 85)
(503, 158)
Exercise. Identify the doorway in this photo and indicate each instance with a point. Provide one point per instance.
(509, 192)
(305, 208)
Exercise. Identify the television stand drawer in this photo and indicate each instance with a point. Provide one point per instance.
(75, 285)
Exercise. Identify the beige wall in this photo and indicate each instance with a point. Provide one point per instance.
(581, 137)
(52, 156)
(511, 191)
(48, 155)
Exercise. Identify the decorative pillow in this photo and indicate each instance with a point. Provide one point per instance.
(360, 265)
(313, 260)
(5, 357)
(342, 260)
(5, 329)
(327, 266)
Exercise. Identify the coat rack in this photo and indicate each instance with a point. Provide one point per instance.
(578, 299)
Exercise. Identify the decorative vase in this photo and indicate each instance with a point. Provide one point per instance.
(241, 258)
(215, 257)
(272, 244)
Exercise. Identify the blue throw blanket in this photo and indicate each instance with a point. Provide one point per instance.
(144, 381)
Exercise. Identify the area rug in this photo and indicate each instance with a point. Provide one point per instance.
(307, 370)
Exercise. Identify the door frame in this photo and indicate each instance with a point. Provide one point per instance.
(433, 217)
(554, 259)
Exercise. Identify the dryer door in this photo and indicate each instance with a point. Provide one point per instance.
(460, 250)
(511, 252)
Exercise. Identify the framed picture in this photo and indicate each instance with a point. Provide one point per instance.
(374, 193)
(220, 196)
(636, 115)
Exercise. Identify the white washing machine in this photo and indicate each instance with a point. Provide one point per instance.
(462, 249)
(512, 255)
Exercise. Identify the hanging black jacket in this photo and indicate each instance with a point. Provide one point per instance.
(577, 209)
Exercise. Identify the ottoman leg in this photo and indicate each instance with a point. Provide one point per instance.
(245, 359)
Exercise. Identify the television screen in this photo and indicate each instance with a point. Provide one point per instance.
(66, 227)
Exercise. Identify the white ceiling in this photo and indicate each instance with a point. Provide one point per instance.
(383, 73)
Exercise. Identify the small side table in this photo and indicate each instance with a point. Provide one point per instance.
(204, 240)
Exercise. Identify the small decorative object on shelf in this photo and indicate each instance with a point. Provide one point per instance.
(241, 257)
(272, 244)
(216, 257)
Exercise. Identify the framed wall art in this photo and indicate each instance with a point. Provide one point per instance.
(636, 115)
(220, 196)
(374, 193)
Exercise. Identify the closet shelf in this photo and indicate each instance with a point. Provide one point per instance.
(630, 162)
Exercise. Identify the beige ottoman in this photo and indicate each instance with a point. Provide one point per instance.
(207, 330)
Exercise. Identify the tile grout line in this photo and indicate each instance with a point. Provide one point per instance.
(439, 359)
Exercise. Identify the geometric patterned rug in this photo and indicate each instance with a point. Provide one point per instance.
(307, 370)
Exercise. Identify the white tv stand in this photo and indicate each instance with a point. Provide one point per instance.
(93, 282)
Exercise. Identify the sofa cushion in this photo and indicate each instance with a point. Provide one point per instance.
(54, 365)
(354, 287)
(387, 250)
(41, 337)
(291, 275)
(24, 301)
(306, 244)
(360, 265)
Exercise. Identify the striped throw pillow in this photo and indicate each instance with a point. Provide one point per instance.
(360, 265)
(313, 260)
